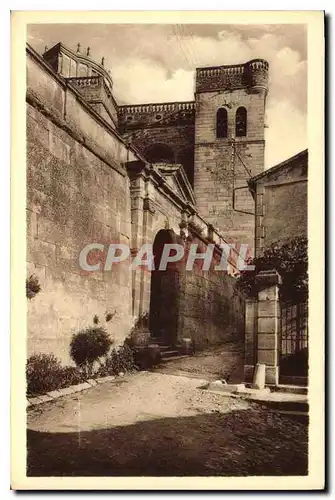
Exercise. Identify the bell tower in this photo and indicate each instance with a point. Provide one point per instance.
(229, 145)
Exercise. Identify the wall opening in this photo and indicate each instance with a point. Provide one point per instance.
(163, 312)
(221, 123)
(241, 122)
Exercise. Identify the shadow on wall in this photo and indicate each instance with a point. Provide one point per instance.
(241, 443)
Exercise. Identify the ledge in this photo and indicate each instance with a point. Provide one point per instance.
(65, 391)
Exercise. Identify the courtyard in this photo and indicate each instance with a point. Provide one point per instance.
(162, 424)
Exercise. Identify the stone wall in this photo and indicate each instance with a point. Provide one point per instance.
(77, 189)
(210, 313)
(281, 202)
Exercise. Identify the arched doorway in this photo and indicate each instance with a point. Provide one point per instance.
(164, 291)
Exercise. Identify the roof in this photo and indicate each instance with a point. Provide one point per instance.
(277, 168)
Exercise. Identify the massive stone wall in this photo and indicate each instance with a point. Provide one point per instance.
(210, 311)
(76, 194)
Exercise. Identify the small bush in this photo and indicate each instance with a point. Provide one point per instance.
(32, 287)
(89, 346)
(71, 375)
(146, 357)
(96, 319)
(44, 373)
(119, 360)
(109, 316)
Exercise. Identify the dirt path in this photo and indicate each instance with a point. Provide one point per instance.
(223, 362)
(164, 425)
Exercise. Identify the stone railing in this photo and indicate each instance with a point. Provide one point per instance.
(253, 73)
(156, 108)
(145, 115)
(86, 81)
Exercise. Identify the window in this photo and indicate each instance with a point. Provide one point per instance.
(221, 123)
(241, 122)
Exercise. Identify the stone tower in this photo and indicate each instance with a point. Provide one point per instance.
(229, 145)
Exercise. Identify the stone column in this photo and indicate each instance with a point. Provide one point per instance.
(268, 324)
(250, 339)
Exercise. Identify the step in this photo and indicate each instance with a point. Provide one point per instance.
(155, 340)
(174, 358)
(169, 354)
(168, 348)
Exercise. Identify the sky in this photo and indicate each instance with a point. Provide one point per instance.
(156, 63)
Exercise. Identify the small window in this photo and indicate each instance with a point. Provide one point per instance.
(221, 123)
(241, 122)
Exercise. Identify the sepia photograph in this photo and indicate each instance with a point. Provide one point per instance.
(169, 282)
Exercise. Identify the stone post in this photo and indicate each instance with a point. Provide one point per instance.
(268, 324)
(250, 344)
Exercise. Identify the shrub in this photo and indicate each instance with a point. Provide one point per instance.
(44, 373)
(96, 319)
(290, 259)
(32, 287)
(109, 316)
(71, 375)
(118, 360)
(146, 357)
(88, 346)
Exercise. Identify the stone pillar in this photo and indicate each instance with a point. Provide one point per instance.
(268, 324)
(250, 345)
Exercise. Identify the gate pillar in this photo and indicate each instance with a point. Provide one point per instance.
(263, 315)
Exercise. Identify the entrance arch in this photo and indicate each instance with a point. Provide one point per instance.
(164, 293)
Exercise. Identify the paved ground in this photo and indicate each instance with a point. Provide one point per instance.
(153, 424)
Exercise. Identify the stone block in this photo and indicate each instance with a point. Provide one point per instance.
(248, 372)
(267, 341)
(67, 390)
(54, 394)
(267, 325)
(268, 357)
(218, 385)
(268, 294)
(45, 398)
(80, 387)
(268, 308)
(35, 401)
(92, 382)
(272, 375)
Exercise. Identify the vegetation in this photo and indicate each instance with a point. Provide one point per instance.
(89, 346)
(290, 260)
(45, 373)
(33, 287)
(118, 360)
